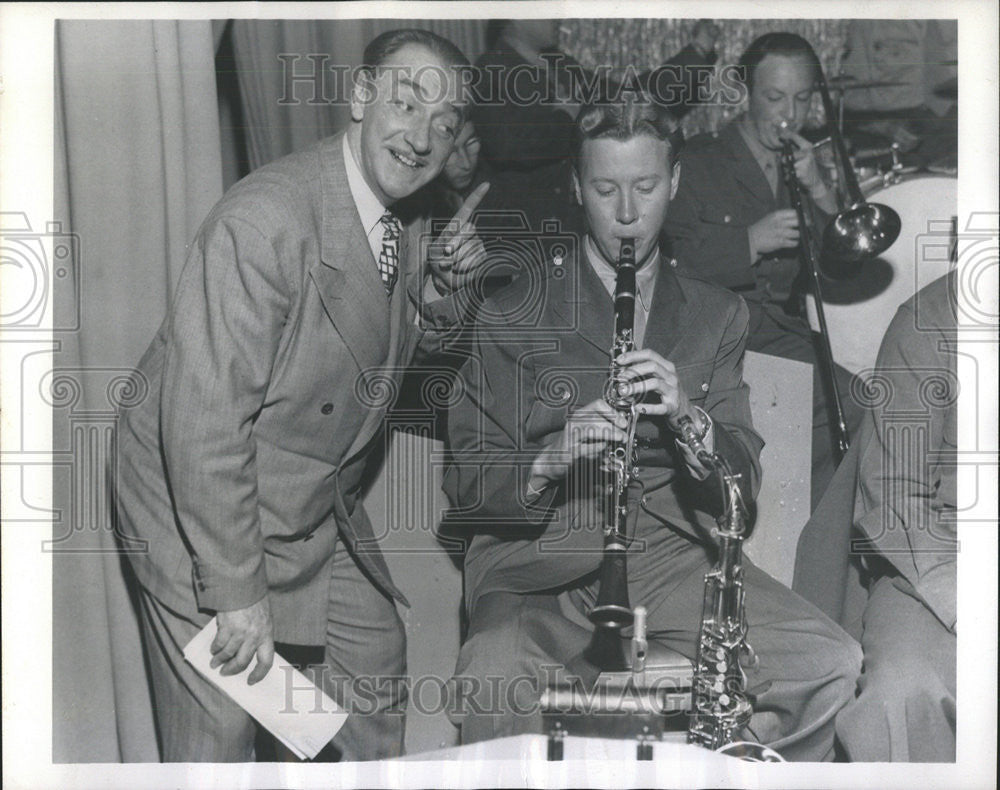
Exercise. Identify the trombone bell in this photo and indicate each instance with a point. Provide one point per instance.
(858, 234)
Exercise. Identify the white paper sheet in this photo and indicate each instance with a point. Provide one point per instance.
(285, 702)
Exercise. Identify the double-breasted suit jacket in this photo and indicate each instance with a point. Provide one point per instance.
(542, 348)
(267, 386)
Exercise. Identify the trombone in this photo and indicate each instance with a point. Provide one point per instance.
(858, 233)
(862, 230)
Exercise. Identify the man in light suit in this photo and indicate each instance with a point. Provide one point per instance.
(242, 469)
(732, 221)
(529, 436)
(906, 508)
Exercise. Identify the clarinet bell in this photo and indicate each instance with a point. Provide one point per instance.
(612, 609)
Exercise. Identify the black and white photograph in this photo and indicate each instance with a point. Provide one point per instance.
(398, 396)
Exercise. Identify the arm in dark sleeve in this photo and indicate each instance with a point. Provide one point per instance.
(491, 457)
(728, 405)
(225, 326)
(701, 238)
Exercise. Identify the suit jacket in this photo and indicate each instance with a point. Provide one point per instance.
(907, 499)
(542, 348)
(722, 192)
(267, 385)
(892, 503)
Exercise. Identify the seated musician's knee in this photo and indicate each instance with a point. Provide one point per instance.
(905, 682)
(497, 672)
(843, 655)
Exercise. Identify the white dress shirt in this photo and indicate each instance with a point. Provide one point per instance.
(370, 208)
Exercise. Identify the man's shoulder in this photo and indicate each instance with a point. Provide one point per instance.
(529, 295)
(707, 147)
(930, 312)
(706, 140)
(286, 190)
(708, 294)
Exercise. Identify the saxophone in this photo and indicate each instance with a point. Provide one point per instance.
(612, 609)
(720, 707)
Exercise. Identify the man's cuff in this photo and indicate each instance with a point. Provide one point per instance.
(224, 589)
(535, 488)
(698, 470)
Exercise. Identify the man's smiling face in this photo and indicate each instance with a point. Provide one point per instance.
(407, 119)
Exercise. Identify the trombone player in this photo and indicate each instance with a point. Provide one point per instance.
(529, 433)
(732, 220)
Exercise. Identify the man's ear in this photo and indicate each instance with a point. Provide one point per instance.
(576, 188)
(361, 94)
(675, 179)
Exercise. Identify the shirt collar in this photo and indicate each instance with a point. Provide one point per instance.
(644, 277)
(765, 157)
(370, 208)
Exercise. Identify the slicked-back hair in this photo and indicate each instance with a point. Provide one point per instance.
(381, 47)
(632, 114)
(788, 45)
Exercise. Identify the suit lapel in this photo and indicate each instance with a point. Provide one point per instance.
(347, 277)
(586, 305)
(744, 166)
(670, 317)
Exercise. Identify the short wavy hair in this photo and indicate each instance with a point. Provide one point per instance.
(631, 114)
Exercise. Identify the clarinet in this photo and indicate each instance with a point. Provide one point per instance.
(720, 706)
(612, 609)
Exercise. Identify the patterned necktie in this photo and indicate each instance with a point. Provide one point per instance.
(388, 259)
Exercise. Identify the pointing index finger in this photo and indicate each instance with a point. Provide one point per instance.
(470, 205)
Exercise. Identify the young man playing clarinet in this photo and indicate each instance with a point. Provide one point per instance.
(533, 427)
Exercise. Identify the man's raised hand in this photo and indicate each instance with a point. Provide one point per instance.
(455, 255)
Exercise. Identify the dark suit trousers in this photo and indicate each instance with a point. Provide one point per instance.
(807, 671)
(364, 655)
(773, 332)
(905, 708)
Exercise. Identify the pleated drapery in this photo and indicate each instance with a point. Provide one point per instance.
(138, 166)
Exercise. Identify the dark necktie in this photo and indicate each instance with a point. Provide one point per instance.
(388, 259)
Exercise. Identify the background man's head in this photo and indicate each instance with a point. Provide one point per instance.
(408, 108)
(626, 171)
(461, 166)
(780, 71)
(536, 34)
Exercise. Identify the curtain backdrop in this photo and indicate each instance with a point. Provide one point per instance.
(137, 168)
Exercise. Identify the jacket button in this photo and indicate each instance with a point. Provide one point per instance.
(673, 263)
(327, 408)
(704, 386)
(727, 218)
